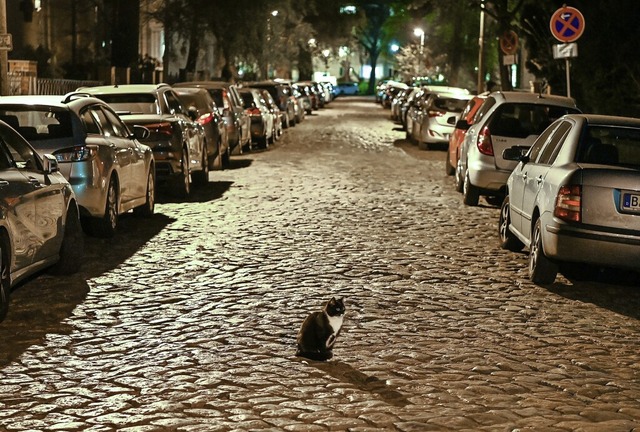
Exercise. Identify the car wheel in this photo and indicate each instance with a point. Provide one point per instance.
(459, 178)
(183, 180)
(106, 225)
(148, 207)
(448, 168)
(542, 271)
(470, 193)
(5, 284)
(424, 145)
(72, 248)
(216, 163)
(226, 158)
(507, 239)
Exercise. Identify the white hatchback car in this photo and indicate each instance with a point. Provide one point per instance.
(506, 119)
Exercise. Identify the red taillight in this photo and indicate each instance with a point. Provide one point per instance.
(160, 128)
(205, 118)
(484, 142)
(253, 111)
(568, 203)
(435, 113)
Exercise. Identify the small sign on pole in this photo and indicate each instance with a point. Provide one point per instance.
(561, 51)
(6, 42)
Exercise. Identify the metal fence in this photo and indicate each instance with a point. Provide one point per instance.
(21, 84)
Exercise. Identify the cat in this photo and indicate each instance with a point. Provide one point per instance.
(319, 331)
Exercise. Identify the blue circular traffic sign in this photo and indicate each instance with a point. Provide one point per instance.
(567, 24)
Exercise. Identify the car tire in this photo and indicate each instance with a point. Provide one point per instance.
(448, 168)
(424, 145)
(183, 179)
(148, 208)
(226, 158)
(459, 180)
(542, 271)
(507, 239)
(216, 163)
(72, 247)
(5, 282)
(470, 193)
(106, 225)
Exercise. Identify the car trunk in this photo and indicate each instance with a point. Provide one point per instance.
(603, 192)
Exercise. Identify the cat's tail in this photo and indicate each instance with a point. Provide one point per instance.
(315, 355)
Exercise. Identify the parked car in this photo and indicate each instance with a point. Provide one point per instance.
(410, 99)
(178, 143)
(203, 109)
(262, 121)
(228, 99)
(304, 100)
(347, 89)
(277, 114)
(506, 119)
(282, 94)
(457, 136)
(39, 216)
(575, 196)
(110, 171)
(390, 91)
(436, 118)
(314, 98)
(396, 104)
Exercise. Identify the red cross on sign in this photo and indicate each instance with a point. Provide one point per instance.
(567, 24)
(509, 42)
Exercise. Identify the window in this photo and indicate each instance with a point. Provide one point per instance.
(21, 154)
(551, 150)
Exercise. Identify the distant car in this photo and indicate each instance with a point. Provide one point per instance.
(347, 89)
(278, 115)
(203, 109)
(230, 103)
(575, 196)
(467, 117)
(178, 143)
(506, 119)
(262, 120)
(282, 94)
(435, 120)
(39, 216)
(110, 170)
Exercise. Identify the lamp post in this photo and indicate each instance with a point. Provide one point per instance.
(274, 14)
(419, 32)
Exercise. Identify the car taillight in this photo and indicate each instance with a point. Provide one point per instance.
(435, 113)
(160, 128)
(253, 111)
(205, 119)
(568, 203)
(484, 142)
(76, 154)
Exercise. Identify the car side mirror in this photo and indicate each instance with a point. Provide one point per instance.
(462, 125)
(49, 164)
(141, 132)
(516, 153)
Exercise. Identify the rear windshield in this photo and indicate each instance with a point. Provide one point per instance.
(518, 120)
(35, 123)
(132, 103)
(450, 104)
(610, 145)
(216, 94)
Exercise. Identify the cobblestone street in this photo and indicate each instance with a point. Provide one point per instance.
(187, 322)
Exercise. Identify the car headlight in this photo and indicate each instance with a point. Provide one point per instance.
(76, 153)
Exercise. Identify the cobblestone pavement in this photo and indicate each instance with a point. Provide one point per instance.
(187, 322)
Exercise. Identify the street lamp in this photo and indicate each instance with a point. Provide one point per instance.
(419, 32)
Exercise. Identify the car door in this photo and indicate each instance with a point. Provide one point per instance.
(542, 159)
(34, 203)
(136, 170)
(193, 131)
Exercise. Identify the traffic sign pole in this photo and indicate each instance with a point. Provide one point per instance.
(567, 25)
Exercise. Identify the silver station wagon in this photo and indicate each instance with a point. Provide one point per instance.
(110, 171)
(574, 197)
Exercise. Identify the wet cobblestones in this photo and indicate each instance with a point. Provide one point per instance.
(187, 322)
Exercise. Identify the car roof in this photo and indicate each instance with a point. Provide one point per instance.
(124, 88)
(204, 84)
(606, 120)
(536, 98)
(59, 101)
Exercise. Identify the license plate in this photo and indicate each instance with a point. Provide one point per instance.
(631, 202)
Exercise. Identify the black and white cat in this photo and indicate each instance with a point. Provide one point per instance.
(319, 331)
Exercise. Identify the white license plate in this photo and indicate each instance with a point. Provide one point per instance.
(631, 202)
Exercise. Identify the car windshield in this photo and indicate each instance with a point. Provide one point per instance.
(450, 104)
(610, 145)
(132, 103)
(38, 123)
(520, 120)
(216, 94)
